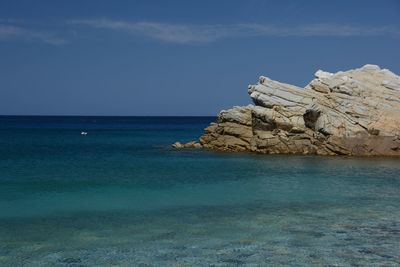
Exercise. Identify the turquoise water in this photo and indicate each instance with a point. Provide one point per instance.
(120, 196)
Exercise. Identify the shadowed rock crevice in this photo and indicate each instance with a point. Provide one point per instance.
(310, 118)
(355, 112)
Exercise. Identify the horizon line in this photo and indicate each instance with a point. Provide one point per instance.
(2, 115)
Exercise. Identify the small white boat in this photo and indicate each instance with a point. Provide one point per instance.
(83, 133)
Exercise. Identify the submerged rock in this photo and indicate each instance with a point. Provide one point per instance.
(191, 144)
(355, 112)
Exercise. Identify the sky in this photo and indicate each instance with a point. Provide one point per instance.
(179, 58)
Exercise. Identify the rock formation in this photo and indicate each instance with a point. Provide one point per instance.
(355, 112)
(191, 144)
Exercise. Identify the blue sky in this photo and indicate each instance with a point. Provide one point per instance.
(179, 57)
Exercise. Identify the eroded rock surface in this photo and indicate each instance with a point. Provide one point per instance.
(355, 112)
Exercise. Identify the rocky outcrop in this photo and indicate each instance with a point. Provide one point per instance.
(356, 112)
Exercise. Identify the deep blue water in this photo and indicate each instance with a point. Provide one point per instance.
(122, 196)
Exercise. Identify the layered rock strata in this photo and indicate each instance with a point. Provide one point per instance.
(355, 112)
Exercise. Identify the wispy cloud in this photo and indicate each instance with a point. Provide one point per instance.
(18, 30)
(12, 32)
(310, 30)
(174, 33)
(186, 34)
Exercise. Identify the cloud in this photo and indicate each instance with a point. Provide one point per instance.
(12, 33)
(187, 34)
(174, 33)
(16, 30)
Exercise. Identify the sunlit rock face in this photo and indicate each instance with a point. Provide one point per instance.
(355, 112)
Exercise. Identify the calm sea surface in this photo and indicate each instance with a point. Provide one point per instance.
(120, 196)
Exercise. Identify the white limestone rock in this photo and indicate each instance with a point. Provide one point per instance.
(355, 112)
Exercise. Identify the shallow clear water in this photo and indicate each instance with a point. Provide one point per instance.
(122, 196)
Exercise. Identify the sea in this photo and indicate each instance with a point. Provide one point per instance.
(121, 196)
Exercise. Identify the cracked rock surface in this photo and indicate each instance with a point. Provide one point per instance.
(355, 112)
